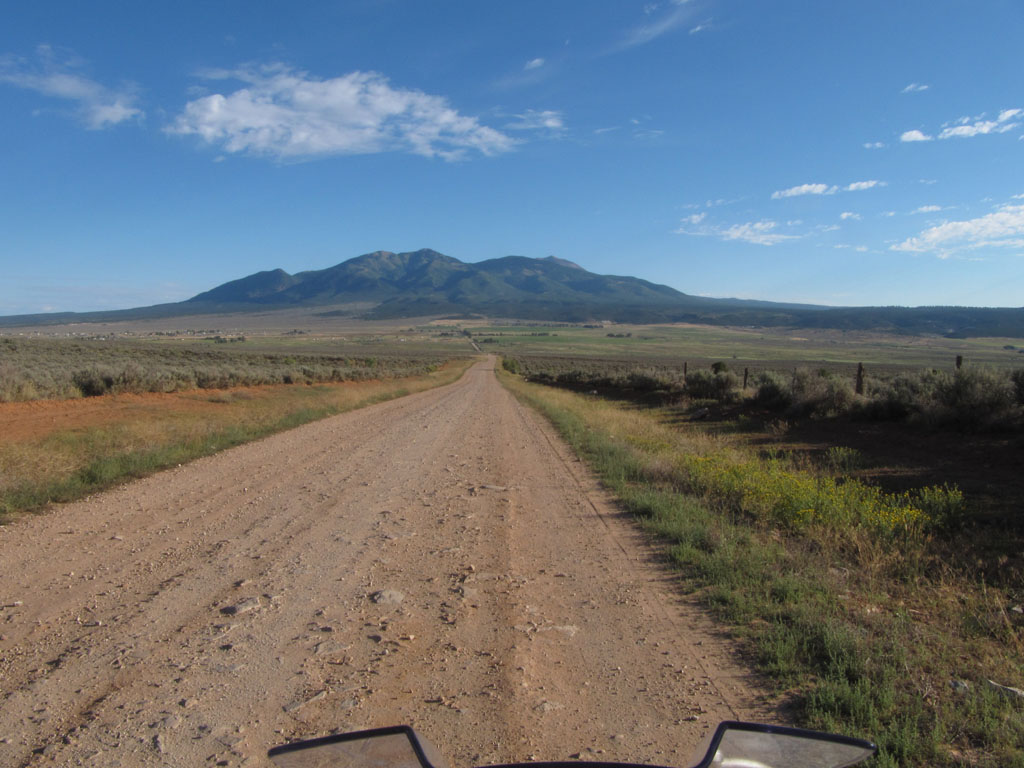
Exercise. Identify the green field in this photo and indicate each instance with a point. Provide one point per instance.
(746, 347)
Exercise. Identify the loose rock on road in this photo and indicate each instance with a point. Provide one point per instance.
(439, 560)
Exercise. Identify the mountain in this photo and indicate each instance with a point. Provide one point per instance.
(426, 282)
(426, 278)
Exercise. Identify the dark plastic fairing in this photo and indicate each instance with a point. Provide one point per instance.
(733, 745)
(398, 746)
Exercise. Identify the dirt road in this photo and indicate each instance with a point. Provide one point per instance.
(439, 560)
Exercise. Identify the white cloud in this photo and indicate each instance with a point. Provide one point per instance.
(1002, 228)
(873, 145)
(927, 209)
(534, 64)
(288, 114)
(756, 232)
(914, 135)
(968, 127)
(704, 25)
(677, 15)
(825, 189)
(858, 186)
(805, 189)
(538, 120)
(849, 215)
(915, 88)
(98, 106)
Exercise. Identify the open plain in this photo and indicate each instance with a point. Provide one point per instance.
(440, 560)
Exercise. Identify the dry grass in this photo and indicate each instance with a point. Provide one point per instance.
(66, 451)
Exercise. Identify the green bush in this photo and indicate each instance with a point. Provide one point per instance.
(974, 399)
(821, 394)
(1018, 385)
(705, 385)
(773, 391)
(93, 382)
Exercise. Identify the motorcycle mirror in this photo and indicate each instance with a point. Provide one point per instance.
(750, 745)
(395, 747)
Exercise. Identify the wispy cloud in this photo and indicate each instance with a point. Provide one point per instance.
(914, 135)
(662, 22)
(825, 189)
(533, 64)
(873, 145)
(756, 232)
(968, 127)
(845, 215)
(927, 209)
(858, 186)
(915, 88)
(702, 27)
(549, 120)
(805, 189)
(57, 74)
(1002, 228)
(763, 232)
(288, 114)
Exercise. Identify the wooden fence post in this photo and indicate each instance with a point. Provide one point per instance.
(746, 372)
(959, 361)
(859, 389)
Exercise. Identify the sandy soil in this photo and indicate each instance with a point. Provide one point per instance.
(439, 560)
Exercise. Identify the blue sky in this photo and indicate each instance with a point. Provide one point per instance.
(840, 152)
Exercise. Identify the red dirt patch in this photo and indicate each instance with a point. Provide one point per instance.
(20, 422)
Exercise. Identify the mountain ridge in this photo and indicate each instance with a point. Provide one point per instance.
(385, 284)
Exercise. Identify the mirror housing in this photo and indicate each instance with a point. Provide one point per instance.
(751, 745)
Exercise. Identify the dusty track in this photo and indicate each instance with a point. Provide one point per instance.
(439, 560)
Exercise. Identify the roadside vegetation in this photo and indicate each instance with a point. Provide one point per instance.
(67, 452)
(968, 398)
(38, 369)
(862, 605)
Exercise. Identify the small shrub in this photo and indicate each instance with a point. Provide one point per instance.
(1017, 377)
(841, 459)
(93, 382)
(974, 399)
(15, 386)
(821, 394)
(773, 391)
(646, 381)
(705, 385)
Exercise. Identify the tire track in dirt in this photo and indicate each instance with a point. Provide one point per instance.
(440, 559)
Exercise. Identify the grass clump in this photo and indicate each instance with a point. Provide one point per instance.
(846, 595)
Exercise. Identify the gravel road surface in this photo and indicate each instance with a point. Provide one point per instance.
(440, 560)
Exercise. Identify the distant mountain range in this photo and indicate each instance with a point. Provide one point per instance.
(426, 282)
